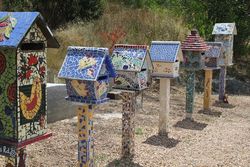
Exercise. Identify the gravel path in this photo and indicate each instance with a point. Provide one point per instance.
(220, 139)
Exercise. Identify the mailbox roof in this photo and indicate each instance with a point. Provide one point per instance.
(214, 49)
(194, 42)
(129, 57)
(224, 29)
(20, 23)
(85, 63)
(165, 51)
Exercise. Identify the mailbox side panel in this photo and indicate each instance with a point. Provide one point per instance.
(8, 87)
(126, 80)
(165, 69)
(32, 99)
(142, 79)
(227, 56)
(193, 60)
(80, 90)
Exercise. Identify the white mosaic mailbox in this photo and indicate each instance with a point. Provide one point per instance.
(166, 56)
(224, 32)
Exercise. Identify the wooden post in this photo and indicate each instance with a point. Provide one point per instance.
(207, 89)
(18, 160)
(190, 91)
(222, 83)
(128, 124)
(85, 136)
(164, 105)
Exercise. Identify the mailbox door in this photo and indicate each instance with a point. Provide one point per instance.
(31, 94)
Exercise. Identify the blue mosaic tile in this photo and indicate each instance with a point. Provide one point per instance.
(80, 100)
(85, 63)
(164, 51)
(24, 20)
(129, 57)
(214, 49)
(224, 29)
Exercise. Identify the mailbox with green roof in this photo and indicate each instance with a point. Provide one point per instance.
(133, 65)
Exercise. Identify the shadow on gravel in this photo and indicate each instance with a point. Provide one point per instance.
(123, 162)
(190, 124)
(159, 140)
(223, 105)
(210, 113)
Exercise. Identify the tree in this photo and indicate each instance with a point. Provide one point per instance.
(58, 12)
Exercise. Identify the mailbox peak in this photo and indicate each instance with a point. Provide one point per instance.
(224, 29)
(86, 63)
(194, 42)
(15, 26)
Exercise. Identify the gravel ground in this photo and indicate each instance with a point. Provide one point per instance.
(219, 139)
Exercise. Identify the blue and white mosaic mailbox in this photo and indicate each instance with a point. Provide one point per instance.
(224, 32)
(165, 56)
(87, 71)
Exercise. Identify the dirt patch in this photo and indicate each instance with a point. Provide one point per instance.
(221, 140)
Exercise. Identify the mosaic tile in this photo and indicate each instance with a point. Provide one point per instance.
(84, 63)
(132, 63)
(21, 23)
(129, 57)
(8, 94)
(225, 29)
(164, 51)
(87, 71)
(23, 76)
(214, 49)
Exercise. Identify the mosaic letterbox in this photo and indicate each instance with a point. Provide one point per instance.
(133, 64)
(224, 32)
(24, 39)
(87, 71)
(213, 56)
(193, 49)
(166, 57)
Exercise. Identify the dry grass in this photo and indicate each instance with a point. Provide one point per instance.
(140, 25)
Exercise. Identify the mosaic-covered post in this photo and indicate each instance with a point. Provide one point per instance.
(224, 32)
(222, 83)
(165, 56)
(208, 89)
(128, 124)
(190, 92)
(193, 49)
(133, 64)
(85, 136)
(87, 71)
(212, 62)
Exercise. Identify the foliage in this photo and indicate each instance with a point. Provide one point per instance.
(58, 12)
